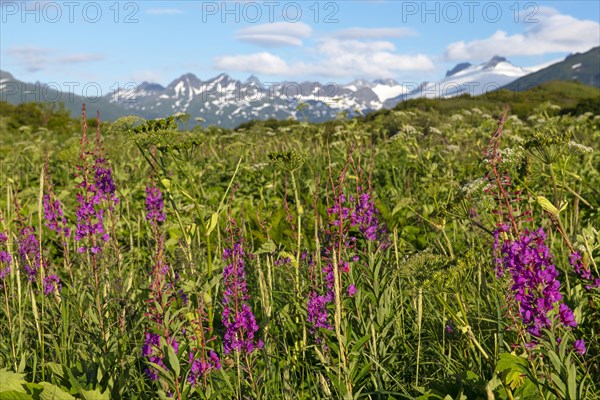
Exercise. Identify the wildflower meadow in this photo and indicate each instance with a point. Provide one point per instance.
(412, 254)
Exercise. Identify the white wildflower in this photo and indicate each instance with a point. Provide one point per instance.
(579, 148)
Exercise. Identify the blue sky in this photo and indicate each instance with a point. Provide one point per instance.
(112, 43)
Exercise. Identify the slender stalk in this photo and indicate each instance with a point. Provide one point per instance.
(10, 329)
(419, 325)
(338, 322)
(298, 233)
(554, 186)
(41, 267)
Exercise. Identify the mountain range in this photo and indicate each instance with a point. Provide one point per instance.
(228, 102)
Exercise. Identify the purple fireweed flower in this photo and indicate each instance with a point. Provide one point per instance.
(54, 216)
(357, 212)
(90, 221)
(351, 290)
(200, 367)
(51, 284)
(151, 350)
(154, 204)
(317, 312)
(5, 260)
(98, 195)
(29, 252)
(585, 273)
(3, 274)
(349, 217)
(103, 182)
(238, 319)
(535, 285)
(282, 261)
(449, 328)
(579, 346)
(566, 316)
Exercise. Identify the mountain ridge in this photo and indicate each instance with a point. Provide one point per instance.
(225, 101)
(582, 67)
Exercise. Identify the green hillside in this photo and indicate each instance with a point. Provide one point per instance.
(580, 67)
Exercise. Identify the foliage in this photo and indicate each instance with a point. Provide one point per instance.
(364, 253)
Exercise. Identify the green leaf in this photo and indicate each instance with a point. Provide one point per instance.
(548, 206)
(56, 369)
(210, 226)
(556, 363)
(14, 395)
(52, 392)
(559, 383)
(267, 247)
(510, 361)
(493, 383)
(173, 360)
(95, 394)
(360, 343)
(572, 381)
(10, 381)
(514, 379)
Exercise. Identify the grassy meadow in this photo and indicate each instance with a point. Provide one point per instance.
(445, 249)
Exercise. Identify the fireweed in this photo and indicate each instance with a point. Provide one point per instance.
(506, 197)
(201, 360)
(54, 216)
(348, 219)
(29, 252)
(237, 317)
(523, 253)
(154, 205)
(5, 258)
(160, 292)
(535, 286)
(56, 221)
(97, 195)
(583, 271)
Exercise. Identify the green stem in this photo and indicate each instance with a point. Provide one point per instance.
(338, 323)
(10, 329)
(554, 186)
(419, 324)
(299, 231)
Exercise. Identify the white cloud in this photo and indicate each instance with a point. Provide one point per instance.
(34, 58)
(262, 63)
(552, 33)
(163, 11)
(334, 58)
(376, 59)
(374, 33)
(79, 58)
(31, 58)
(275, 34)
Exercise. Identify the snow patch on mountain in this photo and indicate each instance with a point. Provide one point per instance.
(469, 79)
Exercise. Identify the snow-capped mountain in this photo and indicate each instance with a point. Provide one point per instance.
(470, 79)
(229, 102)
(581, 67)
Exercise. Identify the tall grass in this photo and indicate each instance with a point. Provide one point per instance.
(369, 259)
